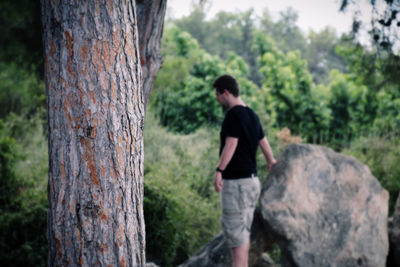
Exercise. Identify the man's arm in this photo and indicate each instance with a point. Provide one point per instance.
(267, 151)
(226, 156)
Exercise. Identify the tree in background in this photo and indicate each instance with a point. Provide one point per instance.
(385, 21)
(286, 33)
(184, 97)
(348, 102)
(379, 74)
(236, 31)
(195, 24)
(298, 103)
(384, 55)
(183, 94)
(226, 32)
(321, 54)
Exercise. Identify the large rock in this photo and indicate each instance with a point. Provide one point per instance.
(217, 254)
(394, 236)
(325, 209)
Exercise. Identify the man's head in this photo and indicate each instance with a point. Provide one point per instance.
(226, 82)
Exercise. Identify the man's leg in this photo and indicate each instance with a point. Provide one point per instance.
(240, 255)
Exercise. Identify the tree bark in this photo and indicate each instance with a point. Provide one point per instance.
(95, 119)
(150, 25)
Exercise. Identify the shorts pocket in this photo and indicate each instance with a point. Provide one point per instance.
(230, 199)
(249, 195)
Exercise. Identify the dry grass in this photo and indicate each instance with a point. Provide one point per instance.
(287, 138)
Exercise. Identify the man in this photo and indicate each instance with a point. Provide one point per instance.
(236, 173)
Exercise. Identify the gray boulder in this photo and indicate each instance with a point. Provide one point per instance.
(325, 209)
(217, 254)
(394, 236)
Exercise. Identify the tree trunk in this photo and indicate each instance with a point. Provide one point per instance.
(150, 25)
(95, 117)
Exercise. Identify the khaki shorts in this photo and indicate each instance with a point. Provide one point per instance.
(238, 198)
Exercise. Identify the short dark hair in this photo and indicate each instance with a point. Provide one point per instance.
(226, 82)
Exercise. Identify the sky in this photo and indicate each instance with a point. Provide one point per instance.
(313, 14)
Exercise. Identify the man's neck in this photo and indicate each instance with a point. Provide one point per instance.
(236, 101)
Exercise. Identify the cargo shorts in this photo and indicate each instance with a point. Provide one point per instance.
(238, 198)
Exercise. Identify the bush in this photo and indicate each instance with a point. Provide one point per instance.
(180, 206)
(8, 180)
(298, 103)
(382, 156)
(21, 92)
(23, 204)
(388, 114)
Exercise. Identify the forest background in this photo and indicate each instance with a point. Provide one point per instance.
(316, 86)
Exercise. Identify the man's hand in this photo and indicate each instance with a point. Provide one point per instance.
(271, 163)
(218, 182)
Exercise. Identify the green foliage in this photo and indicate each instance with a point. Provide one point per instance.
(350, 108)
(382, 156)
(286, 33)
(374, 68)
(388, 114)
(23, 203)
(21, 92)
(379, 74)
(181, 210)
(238, 32)
(335, 113)
(321, 55)
(23, 147)
(181, 85)
(161, 232)
(299, 105)
(184, 96)
(8, 157)
(225, 32)
(262, 44)
(195, 24)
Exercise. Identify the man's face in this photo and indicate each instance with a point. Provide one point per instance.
(221, 98)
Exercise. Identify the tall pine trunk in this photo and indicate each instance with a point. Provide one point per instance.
(95, 119)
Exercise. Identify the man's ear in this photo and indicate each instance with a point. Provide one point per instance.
(226, 92)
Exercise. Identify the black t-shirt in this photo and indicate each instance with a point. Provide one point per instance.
(241, 122)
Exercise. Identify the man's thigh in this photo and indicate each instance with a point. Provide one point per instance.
(239, 199)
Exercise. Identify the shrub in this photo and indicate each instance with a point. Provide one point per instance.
(180, 206)
(21, 92)
(23, 204)
(382, 156)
